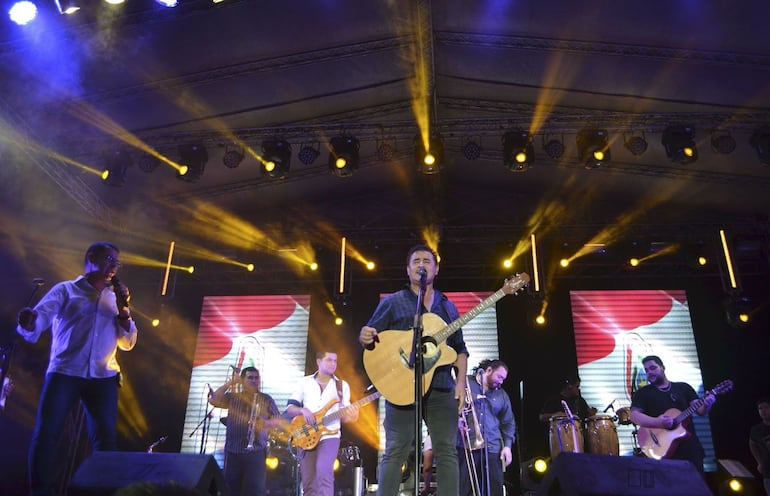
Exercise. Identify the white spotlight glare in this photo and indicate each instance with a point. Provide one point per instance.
(23, 12)
(168, 3)
(115, 2)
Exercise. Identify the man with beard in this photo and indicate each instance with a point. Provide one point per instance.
(651, 405)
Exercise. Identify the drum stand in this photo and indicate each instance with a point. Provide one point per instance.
(636, 449)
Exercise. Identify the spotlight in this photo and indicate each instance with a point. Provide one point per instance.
(115, 172)
(167, 3)
(308, 153)
(760, 140)
(722, 142)
(343, 155)
(471, 149)
(195, 158)
(679, 144)
(518, 152)
(429, 161)
(233, 156)
(635, 143)
(738, 309)
(386, 151)
(276, 158)
(593, 148)
(554, 148)
(147, 163)
(532, 472)
(22, 13)
(67, 6)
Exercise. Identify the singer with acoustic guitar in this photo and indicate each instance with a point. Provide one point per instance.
(90, 320)
(319, 395)
(656, 407)
(444, 398)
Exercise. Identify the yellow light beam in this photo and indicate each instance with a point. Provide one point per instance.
(168, 268)
(728, 260)
(535, 272)
(341, 288)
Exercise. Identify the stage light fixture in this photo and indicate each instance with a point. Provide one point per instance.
(195, 157)
(343, 155)
(532, 472)
(167, 3)
(430, 161)
(472, 149)
(22, 13)
(738, 310)
(386, 150)
(722, 142)
(636, 143)
(114, 173)
(553, 147)
(276, 158)
(518, 152)
(308, 153)
(593, 148)
(147, 163)
(760, 140)
(233, 156)
(679, 144)
(67, 6)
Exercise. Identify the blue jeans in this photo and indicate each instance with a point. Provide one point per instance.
(246, 474)
(440, 415)
(60, 394)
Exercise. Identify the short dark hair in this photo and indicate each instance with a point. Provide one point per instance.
(321, 354)
(495, 364)
(571, 380)
(420, 247)
(654, 358)
(763, 400)
(245, 370)
(98, 248)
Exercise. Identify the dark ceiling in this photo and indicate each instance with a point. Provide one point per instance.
(78, 89)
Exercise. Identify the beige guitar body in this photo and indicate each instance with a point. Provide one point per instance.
(661, 443)
(388, 363)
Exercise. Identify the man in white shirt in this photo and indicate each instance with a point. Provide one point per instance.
(89, 320)
(314, 393)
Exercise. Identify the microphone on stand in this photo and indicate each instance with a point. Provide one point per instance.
(423, 276)
(211, 391)
(610, 406)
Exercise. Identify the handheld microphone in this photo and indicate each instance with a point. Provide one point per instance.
(120, 297)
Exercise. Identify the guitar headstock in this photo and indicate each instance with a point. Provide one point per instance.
(723, 387)
(514, 283)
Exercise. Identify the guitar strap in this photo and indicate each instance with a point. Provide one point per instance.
(339, 388)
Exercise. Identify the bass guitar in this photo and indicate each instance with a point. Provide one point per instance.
(660, 443)
(387, 362)
(306, 436)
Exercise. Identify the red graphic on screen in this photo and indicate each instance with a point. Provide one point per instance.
(600, 318)
(225, 319)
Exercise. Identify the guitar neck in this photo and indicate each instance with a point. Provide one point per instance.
(450, 329)
(339, 413)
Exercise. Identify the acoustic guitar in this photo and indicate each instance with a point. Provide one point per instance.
(387, 362)
(306, 436)
(660, 443)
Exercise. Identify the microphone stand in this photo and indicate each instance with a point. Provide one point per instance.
(203, 425)
(6, 354)
(416, 361)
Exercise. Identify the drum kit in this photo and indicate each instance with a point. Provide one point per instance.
(596, 434)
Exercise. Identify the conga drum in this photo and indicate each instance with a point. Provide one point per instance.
(565, 435)
(624, 415)
(601, 437)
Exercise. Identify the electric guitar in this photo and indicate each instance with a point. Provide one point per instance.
(387, 362)
(660, 443)
(306, 436)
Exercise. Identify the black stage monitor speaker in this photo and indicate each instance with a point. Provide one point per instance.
(104, 472)
(573, 474)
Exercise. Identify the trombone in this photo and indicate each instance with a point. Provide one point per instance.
(471, 443)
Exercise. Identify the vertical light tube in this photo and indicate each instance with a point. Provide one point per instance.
(728, 260)
(168, 268)
(341, 289)
(535, 271)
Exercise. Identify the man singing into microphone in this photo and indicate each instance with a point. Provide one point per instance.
(89, 320)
